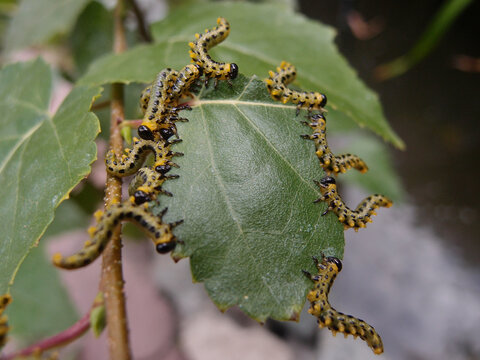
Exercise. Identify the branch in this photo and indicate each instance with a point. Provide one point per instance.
(112, 277)
(60, 339)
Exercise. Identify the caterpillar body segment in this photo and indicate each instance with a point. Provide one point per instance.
(160, 233)
(327, 316)
(330, 163)
(278, 89)
(134, 158)
(185, 79)
(204, 42)
(147, 184)
(4, 301)
(357, 218)
(157, 109)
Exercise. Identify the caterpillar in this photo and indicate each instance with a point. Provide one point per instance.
(160, 233)
(277, 87)
(4, 301)
(159, 114)
(186, 77)
(204, 42)
(156, 107)
(329, 162)
(357, 218)
(327, 316)
(146, 184)
(134, 158)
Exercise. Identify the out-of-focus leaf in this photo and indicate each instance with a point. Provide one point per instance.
(440, 23)
(285, 36)
(246, 193)
(92, 35)
(43, 157)
(37, 21)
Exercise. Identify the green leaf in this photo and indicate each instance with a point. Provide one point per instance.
(37, 21)
(41, 307)
(43, 158)
(98, 320)
(286, 36)
(92, 35)
(246, 194)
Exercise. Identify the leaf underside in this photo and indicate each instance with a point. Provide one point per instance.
(246, 195)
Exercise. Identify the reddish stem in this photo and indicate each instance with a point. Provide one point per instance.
(63, 338)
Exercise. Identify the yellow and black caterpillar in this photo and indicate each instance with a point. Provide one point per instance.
(327, 316)
(157, 111)
(161, 110)
(4, 301)
(277, 87)
(204, 42)
(146, 184)
(330, 163)
(160, 233)
(357, 218)
(134, 158)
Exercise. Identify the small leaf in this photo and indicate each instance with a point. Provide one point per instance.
(42, 158)
(285, 36)
(246, 194)
(37, 21)
(98, 320)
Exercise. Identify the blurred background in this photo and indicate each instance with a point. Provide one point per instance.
(413, 275)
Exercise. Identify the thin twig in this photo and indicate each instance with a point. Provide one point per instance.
(112, 277)
(58, 340)
(142, 26)
(101, 105)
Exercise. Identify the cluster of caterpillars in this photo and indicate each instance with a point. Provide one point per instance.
(277, 85)
(332, 164)
(160, 104)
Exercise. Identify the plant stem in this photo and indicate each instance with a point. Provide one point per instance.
(60, 339)
(112, 276)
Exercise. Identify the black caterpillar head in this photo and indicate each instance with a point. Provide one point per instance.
(327, 180)
(233, 71)
(164, 248)
(166, 133)
(141, 197)
(335, 261)
(324, 100)
(163, 169)
(145, 133)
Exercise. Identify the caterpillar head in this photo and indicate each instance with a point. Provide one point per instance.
(335, 261)
(163, 248)
(326, 183)
(141, 197)
(163, 169)
(165, 239)
(232, 74)
(145, 133)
